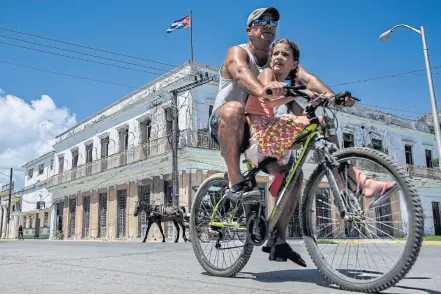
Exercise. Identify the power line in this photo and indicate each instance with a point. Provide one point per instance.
(83, 59)
(77, 52)
(88, 47)
(64, 74)
(383, 77)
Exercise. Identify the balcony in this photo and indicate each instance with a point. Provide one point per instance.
(423, 172)
(135, 154)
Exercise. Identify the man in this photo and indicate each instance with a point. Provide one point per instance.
(228, 126)
(238, 79)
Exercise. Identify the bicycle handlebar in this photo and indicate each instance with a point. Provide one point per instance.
(293, 91)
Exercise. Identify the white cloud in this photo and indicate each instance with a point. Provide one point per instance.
(28, 130)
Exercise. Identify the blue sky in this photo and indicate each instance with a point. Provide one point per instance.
(338, 41)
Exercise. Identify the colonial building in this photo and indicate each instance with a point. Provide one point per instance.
(36, 204)
(11, 230)
(123, 154)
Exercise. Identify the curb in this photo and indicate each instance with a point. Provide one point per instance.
(425, 243)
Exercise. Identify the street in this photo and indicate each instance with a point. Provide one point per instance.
(132, 267)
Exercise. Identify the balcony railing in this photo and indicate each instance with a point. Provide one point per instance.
(134, 154)
(196, 139)
(423, 172)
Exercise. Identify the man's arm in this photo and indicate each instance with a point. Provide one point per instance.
(236, 63)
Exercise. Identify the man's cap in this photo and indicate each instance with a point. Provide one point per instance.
(259, 11)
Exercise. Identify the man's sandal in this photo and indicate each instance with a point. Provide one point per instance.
(283, 252)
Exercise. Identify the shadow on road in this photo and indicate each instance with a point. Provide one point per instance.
(314, 276)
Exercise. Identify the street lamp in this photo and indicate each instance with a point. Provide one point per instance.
(385, 37)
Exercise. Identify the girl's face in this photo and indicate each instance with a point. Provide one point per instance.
(282, 59)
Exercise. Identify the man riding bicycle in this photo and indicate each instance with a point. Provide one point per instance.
(228, 126)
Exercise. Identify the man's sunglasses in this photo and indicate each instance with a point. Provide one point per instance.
(264, 22)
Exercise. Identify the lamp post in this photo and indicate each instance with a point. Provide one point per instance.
(385, 37)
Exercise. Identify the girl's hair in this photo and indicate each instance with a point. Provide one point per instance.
(296, 56)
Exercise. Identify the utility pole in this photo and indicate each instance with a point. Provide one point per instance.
(9, 204)
(175, 128)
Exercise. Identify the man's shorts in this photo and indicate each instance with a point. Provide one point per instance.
(213, 121)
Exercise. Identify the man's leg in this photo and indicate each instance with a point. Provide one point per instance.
(231, 120)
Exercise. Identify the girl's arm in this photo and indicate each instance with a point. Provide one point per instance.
(266, 77)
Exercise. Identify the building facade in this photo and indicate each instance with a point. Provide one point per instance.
(35, 215)
(123, 154)
(8, 231)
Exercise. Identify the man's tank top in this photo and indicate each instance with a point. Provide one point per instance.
(229, 90)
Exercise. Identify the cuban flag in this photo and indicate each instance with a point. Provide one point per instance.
(179, 24)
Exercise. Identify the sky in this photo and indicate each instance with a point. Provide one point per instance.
(338, 42)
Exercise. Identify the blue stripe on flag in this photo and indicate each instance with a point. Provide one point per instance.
(179, 24)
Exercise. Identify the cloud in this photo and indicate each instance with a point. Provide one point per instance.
(27, 131)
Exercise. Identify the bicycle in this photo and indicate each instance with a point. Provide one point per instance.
(259, 228)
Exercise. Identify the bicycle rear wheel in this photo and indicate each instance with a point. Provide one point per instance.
(356, 229)
(202, 234)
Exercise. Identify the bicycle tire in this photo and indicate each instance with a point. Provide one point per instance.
(415, 227)
(248, 248)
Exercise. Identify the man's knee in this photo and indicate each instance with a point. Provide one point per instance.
(232, 112)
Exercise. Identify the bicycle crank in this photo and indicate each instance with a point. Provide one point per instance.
(257, 229)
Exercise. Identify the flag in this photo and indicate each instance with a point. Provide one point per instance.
(179, 24)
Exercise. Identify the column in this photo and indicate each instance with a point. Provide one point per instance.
(52, 224)
(79, 216)
(112, 213)
(132, 198)
(66, 217)
(94, 214)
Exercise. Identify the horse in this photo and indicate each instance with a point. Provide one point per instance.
(157, 214)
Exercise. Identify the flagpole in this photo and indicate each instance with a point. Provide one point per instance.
(191, 34)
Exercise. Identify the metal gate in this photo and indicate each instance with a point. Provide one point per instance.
(436, 218)
(144, 195)
(72, 207)
(103, 215)
(37, 225)
(122, 205)
(86, 206)
(294, 230)
(59, 221)
(323, 213)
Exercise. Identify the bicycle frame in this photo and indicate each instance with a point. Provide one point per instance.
(312, 133)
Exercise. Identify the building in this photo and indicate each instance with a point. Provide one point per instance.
(122, 154)
(35, 215)
(11, 230)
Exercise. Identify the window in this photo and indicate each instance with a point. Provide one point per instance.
(348, 140)
(89, 153)
(377, 144)
(74, 158)
(52, 164)
(46, 219)
(408, 154)
(30, 173)
(40, 169)
(429, 158)
(104, 147)
(210, 110)
(60, 164)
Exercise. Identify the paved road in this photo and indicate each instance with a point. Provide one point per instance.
(129, 267)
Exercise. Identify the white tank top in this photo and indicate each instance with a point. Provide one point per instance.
(229, 90)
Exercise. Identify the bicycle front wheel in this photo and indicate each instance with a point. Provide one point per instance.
(375, 227)
(227, 256)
